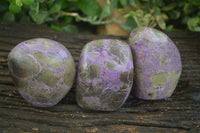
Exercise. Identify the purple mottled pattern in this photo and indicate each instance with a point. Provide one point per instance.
(157, 64)
(105, 75)
(43, 71)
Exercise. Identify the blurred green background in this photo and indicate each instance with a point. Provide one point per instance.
(86, 16)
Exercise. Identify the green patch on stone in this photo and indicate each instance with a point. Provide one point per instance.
(44, 60)
(124, 77)
(31, 41)
(135, 38)
(94, 71)
(161, 60)
(152, 94)
(174, 79)
(158, 34)
(131, 74)
(110, 66)
(82, 73)
(20, 83)
(47, 77)
(142, 56)
(24, 66)
(41, 98)
(151, 58)
(117, 99)
(159, 79)
(70, 72)
(139, 73)
(46, 42)
(124, 87)
(114, 49)
(56, 64)
(168, 61)
(95, 90)
(55, 97)
(99, 43)
(172, 75)
(41, 95)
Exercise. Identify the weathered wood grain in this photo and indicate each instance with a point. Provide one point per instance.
(179, 113)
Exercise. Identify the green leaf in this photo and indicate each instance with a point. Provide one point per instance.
(161, 22)
(169, 7)
(14, 8)
(139, 13)
(169, 28)
(181, 3)
(143, 0)
(132, 3)
(174, 14)
(55, 27)
(68, 19)
(70, 28)
(56, 7)
(197, 28)
(113, 5)
(39, 17)
(129, 24)
(189, 9)
(35, 7)
(25, 18)
(18, 3)
(89, 7)
(195, 2)
(106, 10)
(193, 23)
(64, 4)
(156, 11)
(185, 19)
(27, 2)
(9, 17)
(4, 6)
(198, 14)
(124, 2)
(159, 3)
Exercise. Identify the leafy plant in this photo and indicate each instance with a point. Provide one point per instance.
(70, 15)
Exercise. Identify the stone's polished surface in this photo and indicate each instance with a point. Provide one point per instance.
(43, 70)
(157, 64)
(105, 75)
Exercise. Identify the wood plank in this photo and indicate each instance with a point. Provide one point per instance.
(179, 113)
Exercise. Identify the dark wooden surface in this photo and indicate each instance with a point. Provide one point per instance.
(179, 113)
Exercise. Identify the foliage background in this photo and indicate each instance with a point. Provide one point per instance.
(84, 15)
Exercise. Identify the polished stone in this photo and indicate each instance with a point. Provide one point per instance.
(105, 75)
(157, 64)
(43, 71)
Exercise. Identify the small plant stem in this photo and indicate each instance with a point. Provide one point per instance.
(73, 14)
(136, 20)
(148, 6)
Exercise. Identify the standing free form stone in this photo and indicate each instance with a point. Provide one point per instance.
(43, 70)
(105, 75)
(157, 64)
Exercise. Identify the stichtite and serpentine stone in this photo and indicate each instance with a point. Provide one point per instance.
(157, 64)
(105, 75)
(43, 70)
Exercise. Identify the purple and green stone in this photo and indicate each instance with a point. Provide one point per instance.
(105, 75)
(157, 64)
(43, 71)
